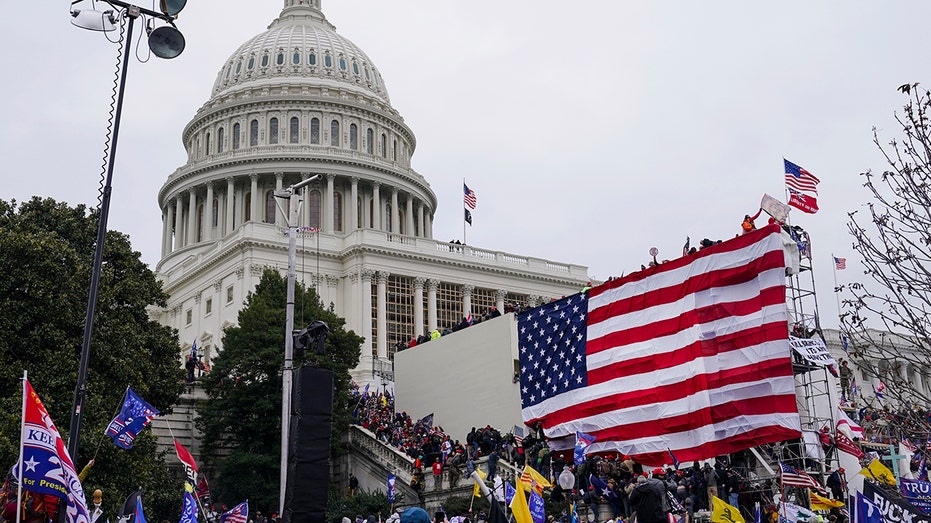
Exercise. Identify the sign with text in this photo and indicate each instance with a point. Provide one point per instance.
(813, 350)
(917, 493)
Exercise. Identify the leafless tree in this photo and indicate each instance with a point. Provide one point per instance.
(893, 237)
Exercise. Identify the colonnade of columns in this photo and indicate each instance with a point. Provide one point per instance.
(214, 209)
(419, 285)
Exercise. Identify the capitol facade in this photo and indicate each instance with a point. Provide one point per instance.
(293, 102)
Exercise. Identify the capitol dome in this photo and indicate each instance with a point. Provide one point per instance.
(300, 44)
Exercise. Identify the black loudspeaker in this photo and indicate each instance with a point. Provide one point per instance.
(309, 452)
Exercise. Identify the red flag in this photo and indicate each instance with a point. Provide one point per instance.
(847, 445)
(802, 187)
(690, 356)
(190, 466)
(203, 490)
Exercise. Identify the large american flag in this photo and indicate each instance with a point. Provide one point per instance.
(802, 187)
(691, 356)
(239, 514)
(792, 477)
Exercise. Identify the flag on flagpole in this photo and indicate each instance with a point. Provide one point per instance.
(469, 199)
(802, 187)
(189, 510)
(691, 356)
(876, 470)
(819, 502)
(203, 489)
(867, 511)
(840, 263)
(722, 512)
(468, 216)
(519, 507)
(847, 445)
(194, 350)
(47, 467)
(792, 477)
(537, 508)
(476, 488)
(582, 441)
(848, 426)
(392, 479)
(530, 478)
(675, 462)
(135, 414)
(239, 514)
(190, 466)
(880, 390)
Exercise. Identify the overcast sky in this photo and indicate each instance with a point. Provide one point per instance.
(590, 131)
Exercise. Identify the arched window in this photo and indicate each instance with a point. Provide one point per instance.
(296, 57)
(394, 150)
(247, 207)
(372, 213)
(328, 60)
(251, 63)
(387, 220)
(337, 211)
(238, 66)
(265, 60)
(312, 58)
(314, 130)
(214, 212)
(384, 146)
(220, 137)
(254, 133)
(355, 68)
(270, 207)
(353, 137)
(295, 129)
(369, 142)
(313, 208)
(342, 63)
(273, 130)
(334, 133)
(280, 59)
(207, 144)
(235, 136)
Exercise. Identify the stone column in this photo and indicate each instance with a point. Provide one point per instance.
(409, 216)
(431, 303)
(327, 222)
(179, 237)
(499, 299)
(166, 227)
(376, 206)
(192, 217)
(395, 212)
(428, 229)
(354, 204)
(467, 299)
(381, 342)
(305, 206)
(229, 223)
(254, 191)
(418, 305)
(208, 213)
(280, 219)
(420, 222)
(366, 278)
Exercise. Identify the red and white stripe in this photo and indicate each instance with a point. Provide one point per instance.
(690, 356)
(806, 183)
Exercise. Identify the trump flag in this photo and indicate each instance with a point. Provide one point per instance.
(691, 356)
(46, 466)
(135, 414)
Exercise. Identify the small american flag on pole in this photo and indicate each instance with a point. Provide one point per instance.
(469, 197)
(239, 514)
(792, 477)
(840, 263)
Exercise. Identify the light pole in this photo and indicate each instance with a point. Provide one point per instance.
(165, 42)
(287, 374)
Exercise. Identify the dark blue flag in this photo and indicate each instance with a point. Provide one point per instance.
(133, 417)
(537, 508)
(391, 481)
(189, 512)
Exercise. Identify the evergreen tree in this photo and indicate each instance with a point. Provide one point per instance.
(46, 251)
(241, 422)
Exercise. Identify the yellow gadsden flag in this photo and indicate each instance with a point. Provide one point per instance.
(531, 478)
(724, 513)
(476, 490)
(823, 503)
(876, 470)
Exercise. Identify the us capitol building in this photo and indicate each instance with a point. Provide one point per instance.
(295, 101)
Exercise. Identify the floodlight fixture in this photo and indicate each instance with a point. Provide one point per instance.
(93, 20)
